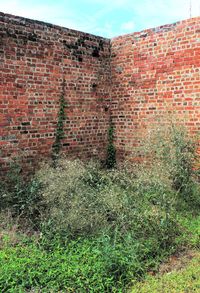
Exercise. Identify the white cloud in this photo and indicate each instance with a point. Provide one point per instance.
(179, 8)
(116, 3)
(128, 26)
(166, 9)
(31, 9)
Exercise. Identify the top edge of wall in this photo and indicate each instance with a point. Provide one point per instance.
(27, 21)
(159, 29)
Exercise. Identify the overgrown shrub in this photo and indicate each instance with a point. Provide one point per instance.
(179, 155)
(83, 199)
(86, 201)
(70, 194)
(21, 195)
(173, 152)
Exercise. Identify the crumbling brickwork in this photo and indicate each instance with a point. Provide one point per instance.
(132, 78)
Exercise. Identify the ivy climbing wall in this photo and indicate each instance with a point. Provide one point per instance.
(155, 79)
(41, 67)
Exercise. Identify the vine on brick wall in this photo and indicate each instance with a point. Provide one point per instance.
(111, 151)
(60, 126)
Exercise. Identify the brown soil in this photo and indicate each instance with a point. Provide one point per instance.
(177, 262)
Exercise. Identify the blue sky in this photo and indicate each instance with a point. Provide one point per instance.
(104, 17)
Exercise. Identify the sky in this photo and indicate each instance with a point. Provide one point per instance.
(106, 18)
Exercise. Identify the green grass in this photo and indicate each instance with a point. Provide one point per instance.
(97, 264)
(185, 280)
(191, 229)
(78, 267)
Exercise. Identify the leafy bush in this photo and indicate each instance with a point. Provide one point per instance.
(179, 155)
(82, 199)
(174, 154)
(20, 195)
(70, 194)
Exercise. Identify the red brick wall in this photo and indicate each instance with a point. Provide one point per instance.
(154, 72)
(144, 74)
(35, 59)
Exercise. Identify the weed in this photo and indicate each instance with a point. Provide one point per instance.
(111, 151)
(60, 125)
(21, 195)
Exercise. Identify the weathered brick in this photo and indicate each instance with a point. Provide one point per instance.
(159, 71)
(134, 78)
(35, 59)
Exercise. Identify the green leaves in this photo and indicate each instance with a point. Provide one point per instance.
(111, 151)
(60, 126)
(21, 196)
(78, 267)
